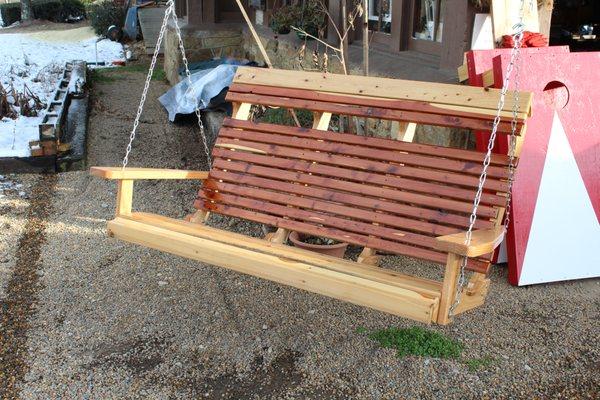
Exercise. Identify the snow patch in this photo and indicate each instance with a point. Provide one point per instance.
(37, 62)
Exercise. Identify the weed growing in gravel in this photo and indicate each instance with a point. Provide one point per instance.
(418, 342)
(97, 75)
(476, 363)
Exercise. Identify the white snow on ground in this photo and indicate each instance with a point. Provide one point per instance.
(36, 60)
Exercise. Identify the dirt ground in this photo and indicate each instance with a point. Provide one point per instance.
(85, 316)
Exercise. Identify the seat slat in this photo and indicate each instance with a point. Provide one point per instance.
(362, 240)
(369, 165)
(365, 153)
(332, 208)
(409, 197)
(438, 189)
(380, 143)
(316, 217)
(369, 112)
(263, 178)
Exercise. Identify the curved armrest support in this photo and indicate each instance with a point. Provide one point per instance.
(146, 173)
(483, 241)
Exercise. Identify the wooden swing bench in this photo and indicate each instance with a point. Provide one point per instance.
(392, 196)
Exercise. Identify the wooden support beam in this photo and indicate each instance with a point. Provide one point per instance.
(241, 110)
(474, 294)
(488, 78)
(279, 236)
(449, 288)
(124, 197)
(199, 217)
(369, 256)
(463, 73)
(321, 120)
(404, 131)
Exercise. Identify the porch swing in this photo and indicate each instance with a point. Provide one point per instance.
(442, 205)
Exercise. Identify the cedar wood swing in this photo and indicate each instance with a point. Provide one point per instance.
(392, 196)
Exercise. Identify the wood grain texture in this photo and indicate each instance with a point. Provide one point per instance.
(379, 87)
(146, 173)
(348, 287)
(379, 193)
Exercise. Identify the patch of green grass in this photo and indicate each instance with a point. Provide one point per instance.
(418, 342)
(361, 330)
(476, 363)
(158, 74)
(282, 116)
(115, 74)
(98, 75)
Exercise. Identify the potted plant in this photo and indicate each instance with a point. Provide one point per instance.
(318, 244)
(283, 18)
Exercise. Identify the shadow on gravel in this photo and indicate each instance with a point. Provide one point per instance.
(19, 305)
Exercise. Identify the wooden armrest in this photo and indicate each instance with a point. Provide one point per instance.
(483, 241)
(146, 173)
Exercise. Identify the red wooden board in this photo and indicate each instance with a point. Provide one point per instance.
(571, 111)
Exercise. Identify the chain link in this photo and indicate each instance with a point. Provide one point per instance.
(191, 89)
(169, 12)
(519, 28)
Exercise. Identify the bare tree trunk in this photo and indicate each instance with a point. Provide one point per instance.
(26, 10)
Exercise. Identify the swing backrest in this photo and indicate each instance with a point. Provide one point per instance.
(388, 195)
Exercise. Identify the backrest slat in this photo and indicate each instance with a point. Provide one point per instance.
(482, 101)
(384, 194)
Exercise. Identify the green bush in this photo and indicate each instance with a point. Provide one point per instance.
(103, 14)
(51, 10)
(10, 13)
(58, 10)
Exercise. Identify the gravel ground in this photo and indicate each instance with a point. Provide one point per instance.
(114, 320)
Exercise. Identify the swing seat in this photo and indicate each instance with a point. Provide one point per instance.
(390, 196)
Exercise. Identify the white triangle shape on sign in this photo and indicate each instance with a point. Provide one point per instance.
(564, 241)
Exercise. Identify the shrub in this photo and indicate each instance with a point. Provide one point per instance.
(283, 18)
(10, 13)
(103, 14)
(51, 10)
(58, 10)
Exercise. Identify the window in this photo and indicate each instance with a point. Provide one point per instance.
(428, 20)
(380, 16)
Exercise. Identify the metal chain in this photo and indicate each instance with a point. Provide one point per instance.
(191, 88)
(519, 28)
(136, 122)
(170, 11)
